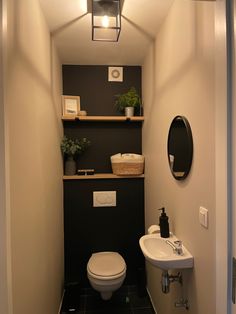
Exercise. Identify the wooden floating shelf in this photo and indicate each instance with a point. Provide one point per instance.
(101, 176)
(102, 118)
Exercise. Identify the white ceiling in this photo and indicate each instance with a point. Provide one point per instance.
(70, 25)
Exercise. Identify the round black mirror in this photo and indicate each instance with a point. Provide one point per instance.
(180, 147)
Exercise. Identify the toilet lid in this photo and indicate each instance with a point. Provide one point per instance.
(106, 264)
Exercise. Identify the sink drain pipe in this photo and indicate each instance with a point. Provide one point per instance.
(167, 279)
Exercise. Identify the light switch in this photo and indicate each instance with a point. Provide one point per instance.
(203, 217)
(104, 199)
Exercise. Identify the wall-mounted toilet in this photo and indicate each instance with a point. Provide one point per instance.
(106, 272)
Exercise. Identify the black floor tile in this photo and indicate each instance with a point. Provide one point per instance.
(73, 312)
(143, 311)
(132, 289)
(88, 291)
(123, 290)
(139, 302)
(126, 300)
(110, 311)
(119, 301)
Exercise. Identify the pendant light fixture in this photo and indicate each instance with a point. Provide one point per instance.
(106, 20)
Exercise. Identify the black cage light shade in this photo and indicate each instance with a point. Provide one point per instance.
(106, 20)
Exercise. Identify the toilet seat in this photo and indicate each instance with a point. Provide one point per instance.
(106, 265)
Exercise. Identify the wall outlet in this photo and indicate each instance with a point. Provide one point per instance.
(203, 217)
(104, 199)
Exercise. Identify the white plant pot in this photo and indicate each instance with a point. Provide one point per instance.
(129, 111)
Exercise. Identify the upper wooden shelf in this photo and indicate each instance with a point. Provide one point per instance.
(102, 118)
(101, 176)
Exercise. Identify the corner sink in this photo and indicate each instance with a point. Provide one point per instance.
(160, 253)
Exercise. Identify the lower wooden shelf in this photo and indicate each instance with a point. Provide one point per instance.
(101, 176)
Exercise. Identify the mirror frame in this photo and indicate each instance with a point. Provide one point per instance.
(189, 143)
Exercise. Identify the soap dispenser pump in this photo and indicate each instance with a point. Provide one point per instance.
(164, 224)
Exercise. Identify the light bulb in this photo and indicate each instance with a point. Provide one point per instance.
(105, 21)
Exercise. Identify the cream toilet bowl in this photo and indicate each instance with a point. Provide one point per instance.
(106, 272)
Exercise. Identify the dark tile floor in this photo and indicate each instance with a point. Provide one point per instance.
(127, 300)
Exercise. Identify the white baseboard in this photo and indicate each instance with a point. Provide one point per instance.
(59, 311)
(151, 300)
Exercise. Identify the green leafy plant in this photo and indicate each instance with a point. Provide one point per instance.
(128, 99)
(72, 147)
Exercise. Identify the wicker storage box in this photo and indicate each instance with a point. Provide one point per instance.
(127, 164)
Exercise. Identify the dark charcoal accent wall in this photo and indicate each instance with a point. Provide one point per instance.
(107, 138)
(97, 95)
(91, 229)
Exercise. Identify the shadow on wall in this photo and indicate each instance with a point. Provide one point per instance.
(29, 61)
(173, 61)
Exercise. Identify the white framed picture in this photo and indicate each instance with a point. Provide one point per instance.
(70, 105)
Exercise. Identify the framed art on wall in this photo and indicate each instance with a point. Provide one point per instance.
(70, 105)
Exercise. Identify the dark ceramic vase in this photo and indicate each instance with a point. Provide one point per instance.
(70, 166)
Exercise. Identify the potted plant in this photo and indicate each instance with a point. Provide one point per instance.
(128, 102)
(71, 148)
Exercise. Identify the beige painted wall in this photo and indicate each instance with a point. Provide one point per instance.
(178, 79)
(5, 269)
(221, 162)
(35, 179)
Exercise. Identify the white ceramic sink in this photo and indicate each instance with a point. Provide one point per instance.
(161, 254)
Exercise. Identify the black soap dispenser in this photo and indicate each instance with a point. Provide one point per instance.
(164, 224)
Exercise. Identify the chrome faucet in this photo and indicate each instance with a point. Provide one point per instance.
(176, 246)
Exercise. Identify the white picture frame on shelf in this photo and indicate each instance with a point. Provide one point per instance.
(70, 105)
